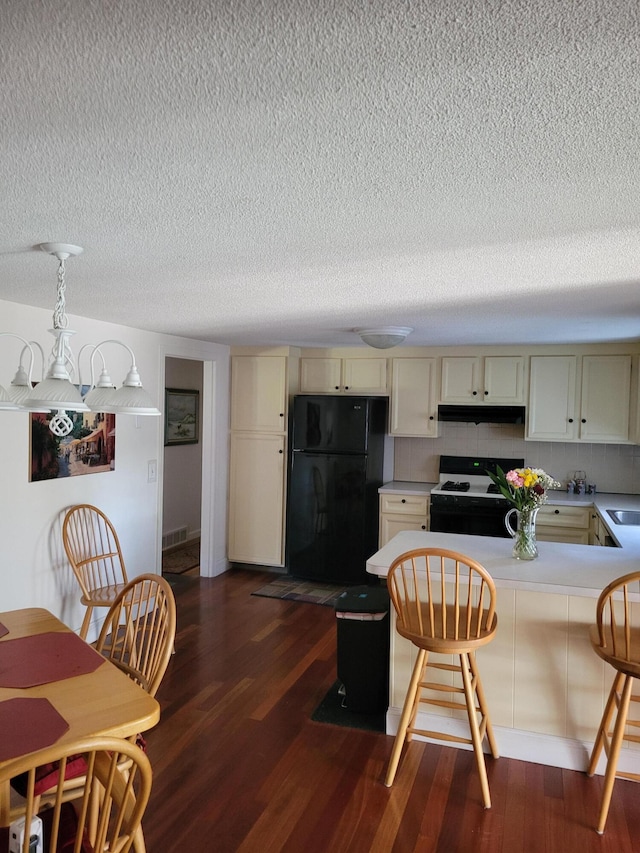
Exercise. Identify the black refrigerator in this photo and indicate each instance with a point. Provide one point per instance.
(335, 470)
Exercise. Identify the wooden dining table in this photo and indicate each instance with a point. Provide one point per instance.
(81, 693)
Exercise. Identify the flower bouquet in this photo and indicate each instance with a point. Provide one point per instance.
(526, 490)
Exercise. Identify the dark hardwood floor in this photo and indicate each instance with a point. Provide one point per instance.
(240, 766)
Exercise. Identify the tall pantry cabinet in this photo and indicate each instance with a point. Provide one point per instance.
(260, 389)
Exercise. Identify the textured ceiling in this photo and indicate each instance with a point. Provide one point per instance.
(284, 171)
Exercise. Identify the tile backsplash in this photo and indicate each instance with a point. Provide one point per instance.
(612, 467)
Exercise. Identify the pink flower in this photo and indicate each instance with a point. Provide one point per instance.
(515, 479)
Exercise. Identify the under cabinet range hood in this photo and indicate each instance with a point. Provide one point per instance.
(482, 414)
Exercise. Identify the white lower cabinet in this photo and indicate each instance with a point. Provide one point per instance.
(402, 512)
(256, 499)
(570, 524)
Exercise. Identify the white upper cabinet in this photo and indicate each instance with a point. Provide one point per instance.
(585, 399)
(497, 380)
(551, 414)
(413, 409)
(343, 375)
(259, 393)
(606, 398)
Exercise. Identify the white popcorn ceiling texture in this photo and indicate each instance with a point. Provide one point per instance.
(284, 171)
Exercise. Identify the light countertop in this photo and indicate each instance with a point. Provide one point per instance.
(402, 487)
(624, 536)
(561, 568)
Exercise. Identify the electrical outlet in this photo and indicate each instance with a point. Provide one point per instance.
(152, 471)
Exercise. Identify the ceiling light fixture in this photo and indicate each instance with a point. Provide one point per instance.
(56, 392)
(384, 337)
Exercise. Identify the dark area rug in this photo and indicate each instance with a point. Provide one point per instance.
(182, 559)
(331, 710)
(293, 589)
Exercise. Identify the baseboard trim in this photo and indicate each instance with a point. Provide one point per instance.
(534, 747)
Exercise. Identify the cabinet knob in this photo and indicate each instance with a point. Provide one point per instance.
(557, 511)
(337, 387)
(403, 501)
(281, 451)
(424, 527)
(346, 387)
(570, 420)
(583, 421)
(474, 393)
(281, 414)
(430, 417)
(486, 393)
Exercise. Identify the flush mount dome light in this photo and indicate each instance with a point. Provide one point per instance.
(384, 337)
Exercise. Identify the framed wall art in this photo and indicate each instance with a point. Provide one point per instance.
(90, 448)
(181, 416)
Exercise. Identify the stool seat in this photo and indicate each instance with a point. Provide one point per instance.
(444, 603)
(616, 639)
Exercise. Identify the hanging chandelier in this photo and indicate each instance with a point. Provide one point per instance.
(57, 392)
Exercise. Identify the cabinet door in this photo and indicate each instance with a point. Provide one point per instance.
(392, 524)
(258, 393)
(606, 392)
(256, 498)
(504, 379)
(320, 375)
(461, 380)
(413, 397)
(365, 375)
(552, 398)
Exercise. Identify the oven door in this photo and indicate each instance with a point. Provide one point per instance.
(475, 516)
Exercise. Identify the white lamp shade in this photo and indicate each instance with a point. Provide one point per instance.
(100, 398)
(131, 400)
(6, 403)
(56, 394)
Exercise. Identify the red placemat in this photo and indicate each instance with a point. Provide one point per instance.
(3, 630)
(27, 725)
(43, 658)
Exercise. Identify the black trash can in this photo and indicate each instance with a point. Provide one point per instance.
(362, 617)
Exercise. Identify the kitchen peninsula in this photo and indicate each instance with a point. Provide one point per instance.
(545, 686)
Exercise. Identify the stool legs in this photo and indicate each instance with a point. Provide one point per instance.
(472, 689)
(620, 696)
(408, 716)
(471, 683)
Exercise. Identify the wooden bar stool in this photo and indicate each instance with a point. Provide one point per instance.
(616, 639)
(445, 605)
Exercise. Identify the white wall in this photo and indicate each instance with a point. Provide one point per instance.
(183, 462)
(33, 569)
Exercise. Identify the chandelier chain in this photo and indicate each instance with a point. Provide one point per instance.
(60, 320)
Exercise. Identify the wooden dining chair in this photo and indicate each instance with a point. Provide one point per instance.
(616, 639)
(445, 605)
(138, 633)
(137, 636)
(93, 549)
(106, 814)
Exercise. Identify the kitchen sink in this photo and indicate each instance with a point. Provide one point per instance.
(625, 516)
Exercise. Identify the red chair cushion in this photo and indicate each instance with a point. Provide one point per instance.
(47, 775)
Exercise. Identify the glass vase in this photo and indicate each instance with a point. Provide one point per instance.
(524, 534)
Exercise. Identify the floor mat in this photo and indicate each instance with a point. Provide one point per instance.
(177, 562)
(331, 710)
(310, 592)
